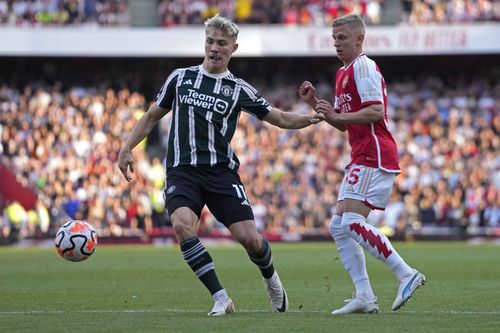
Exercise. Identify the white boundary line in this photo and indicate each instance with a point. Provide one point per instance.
(449, 312)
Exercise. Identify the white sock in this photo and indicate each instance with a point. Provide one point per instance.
(352, 257)
(220, 294)
(375, 242)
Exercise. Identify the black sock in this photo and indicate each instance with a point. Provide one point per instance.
(264, 259)
(201, 263)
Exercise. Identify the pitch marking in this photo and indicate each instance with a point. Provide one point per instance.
(452, 312)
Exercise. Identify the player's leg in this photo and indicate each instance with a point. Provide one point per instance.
(184, 202)
(259, 252)
(370, 189)
(353, 258)
(230, 205)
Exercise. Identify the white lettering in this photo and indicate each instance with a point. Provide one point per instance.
(345, 107)
(343, 98)
(204, 101)
(194, 94)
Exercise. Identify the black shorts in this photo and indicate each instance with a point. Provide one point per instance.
(218, 187)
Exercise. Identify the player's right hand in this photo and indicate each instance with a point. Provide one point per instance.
(126, 163)
(307, 92)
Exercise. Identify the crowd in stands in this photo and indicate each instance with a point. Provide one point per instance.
(420, 12)
(62, 141)
(287, 12)
(322, 12)
(33, 13)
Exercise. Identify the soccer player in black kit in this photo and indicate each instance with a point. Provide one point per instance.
(206, 101)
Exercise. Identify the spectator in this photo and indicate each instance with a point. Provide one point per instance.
(63, 12)
(63, 142)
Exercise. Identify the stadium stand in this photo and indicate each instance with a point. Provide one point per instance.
(62, 119)
(168, 13)
(61, 140)
(32, 13)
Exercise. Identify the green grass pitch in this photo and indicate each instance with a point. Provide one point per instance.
(150, 289)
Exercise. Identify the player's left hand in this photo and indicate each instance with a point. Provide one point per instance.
(326, 109)
(126, 163)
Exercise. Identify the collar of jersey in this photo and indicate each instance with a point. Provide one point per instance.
(352, 62)
(215, 76)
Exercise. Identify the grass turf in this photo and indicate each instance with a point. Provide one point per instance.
(150, 289)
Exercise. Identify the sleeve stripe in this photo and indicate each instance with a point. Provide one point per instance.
(244, 84)
(167, 82)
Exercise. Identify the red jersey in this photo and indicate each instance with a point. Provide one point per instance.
(356, 86)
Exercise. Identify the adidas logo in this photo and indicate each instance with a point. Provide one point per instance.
(245, 203)
(188, 81)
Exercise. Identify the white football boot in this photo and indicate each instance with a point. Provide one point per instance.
(407, 287)
(223, 304)
(276, 292)
(358, 305)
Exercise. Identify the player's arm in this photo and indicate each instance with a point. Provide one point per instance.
(291, 120)
(141, 129)
(369, 114)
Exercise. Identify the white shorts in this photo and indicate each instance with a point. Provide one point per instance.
(370, 185)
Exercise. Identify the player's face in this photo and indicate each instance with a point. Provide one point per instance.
(347, 42)
(218, 50)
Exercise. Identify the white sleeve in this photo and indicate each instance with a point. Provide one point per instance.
(368, 81)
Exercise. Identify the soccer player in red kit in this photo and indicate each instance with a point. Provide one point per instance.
(360, 109)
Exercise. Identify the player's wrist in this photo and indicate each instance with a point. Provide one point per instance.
(313, 102)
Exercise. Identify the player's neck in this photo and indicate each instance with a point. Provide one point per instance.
(212, 70)
(348, 63)
(203, 70)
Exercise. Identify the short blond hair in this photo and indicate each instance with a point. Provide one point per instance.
(223, 24)
(353, 21)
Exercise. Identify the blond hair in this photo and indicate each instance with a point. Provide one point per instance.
(353, 21)
(223, 24)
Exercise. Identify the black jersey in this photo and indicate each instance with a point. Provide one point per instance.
(206, 109)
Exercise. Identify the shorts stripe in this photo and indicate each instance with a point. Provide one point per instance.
(366, 181)
(361, 186)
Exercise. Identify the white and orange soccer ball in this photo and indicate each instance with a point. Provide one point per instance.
(76, 240)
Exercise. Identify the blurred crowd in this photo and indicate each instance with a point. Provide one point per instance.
(420, 12)
(65, 145)
(32, 13)
(62, 142)
(287, 12)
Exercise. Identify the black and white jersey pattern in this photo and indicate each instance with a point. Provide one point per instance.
(206, 108)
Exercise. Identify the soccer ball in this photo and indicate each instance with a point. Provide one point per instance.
(76, 240)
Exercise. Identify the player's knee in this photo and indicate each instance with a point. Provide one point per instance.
(183, 230)
(251, 244)
(335, 229)
(350, 218)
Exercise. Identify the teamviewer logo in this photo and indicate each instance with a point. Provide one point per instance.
(220, 106)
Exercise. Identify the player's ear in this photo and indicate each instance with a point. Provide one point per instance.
(235, 47)
(360, 39)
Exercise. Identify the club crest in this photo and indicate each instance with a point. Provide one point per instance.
(226, 90)
(344, 81)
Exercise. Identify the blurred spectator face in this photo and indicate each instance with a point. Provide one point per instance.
(347, 42)
(219, 48)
